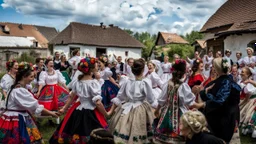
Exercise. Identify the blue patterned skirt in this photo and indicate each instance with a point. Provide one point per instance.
(108, 92)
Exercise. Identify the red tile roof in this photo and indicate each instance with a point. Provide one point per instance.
(233, 13)
(24, 30)
(85, 34)
(172, 38)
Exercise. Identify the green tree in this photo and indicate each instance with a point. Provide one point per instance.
(193, 36)
(26, 57)
(130, 32)
(182, 50)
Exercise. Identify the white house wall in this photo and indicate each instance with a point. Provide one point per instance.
(132, 52)
(238, 43)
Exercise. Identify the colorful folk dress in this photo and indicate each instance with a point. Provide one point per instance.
(52, 95)
(108, 89)
(132, 121)
(63, 68)
(83, 116)
(247, 110)
(174, 101)
(157, 84)
(167, 75)
(16, 123)
(6, 82)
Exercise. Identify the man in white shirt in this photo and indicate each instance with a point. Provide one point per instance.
(191, 61)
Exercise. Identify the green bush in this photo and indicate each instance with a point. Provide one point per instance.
(26, 57)
(2, 74)
(182, 50)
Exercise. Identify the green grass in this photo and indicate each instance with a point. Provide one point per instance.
(47, 131)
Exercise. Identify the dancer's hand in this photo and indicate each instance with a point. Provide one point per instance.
(157, 113)
(55, 114)
(37, 94)
(62, 111)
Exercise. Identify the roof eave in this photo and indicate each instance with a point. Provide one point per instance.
(99, 45)
(225, 33)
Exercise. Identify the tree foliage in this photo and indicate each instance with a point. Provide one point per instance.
(26, 57)
(147, 39)
(193, 36)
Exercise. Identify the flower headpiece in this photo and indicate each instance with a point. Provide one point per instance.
(225, 64)
(198, 60)
(85, 64)
(177, 64)
(10, 63)
(26, 66)
(104, 58)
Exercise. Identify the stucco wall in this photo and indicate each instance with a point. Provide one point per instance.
(238, 43)
(132, 52)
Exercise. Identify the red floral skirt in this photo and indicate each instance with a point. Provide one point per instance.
(53, 97)
(16, 129)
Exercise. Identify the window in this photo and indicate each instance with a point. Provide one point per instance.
(35, 44)
(126, 53)
(71, 49)
(252, 44)
(100, 51)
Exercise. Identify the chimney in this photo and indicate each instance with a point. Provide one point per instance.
(101, 24)
(6, 29)
(111, 25)
(20, 26)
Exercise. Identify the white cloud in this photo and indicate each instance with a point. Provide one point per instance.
(181, 16)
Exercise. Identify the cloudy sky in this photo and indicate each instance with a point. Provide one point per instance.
(179, 16)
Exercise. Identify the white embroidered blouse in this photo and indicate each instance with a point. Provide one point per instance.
(88, 91)
(46, 79)
(186, 97)
(135, 92)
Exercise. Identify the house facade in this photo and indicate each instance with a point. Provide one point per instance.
(16, 39)
(200, 46)
(96, 40)
(163, 39)
(232, 27)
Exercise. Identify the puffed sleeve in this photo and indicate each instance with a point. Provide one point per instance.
(6, 83)
(42, 78)
(148, 92)
(61, 78)
(95, 90)
(155, 77)
(185, 95)
(249, 89)
(121, 95)
(25, 99)
(163, 96)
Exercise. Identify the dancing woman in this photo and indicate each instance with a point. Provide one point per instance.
(64, 65)
(221, 98)
(85, 115)
(8, 79)
(110, 88)
(17, 124)
(175, 99)
(50, 94)
(132, 121)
